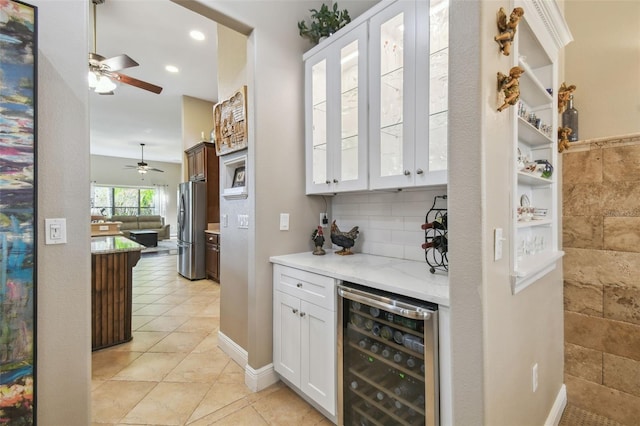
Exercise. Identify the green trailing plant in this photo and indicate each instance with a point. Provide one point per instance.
(323, 23)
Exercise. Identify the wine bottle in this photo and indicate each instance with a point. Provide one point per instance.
(413, 342)
(368, 324)
(375, 312)
(386, 333)
(439, 242)
(438, 223)
(386, 352)
(364, 343)
(398, 357)
(357, 320)
(355, 306)
(411, 362)
(375, 330)
(375, 348)
(397, 336)
(570, 120)
(354, 384)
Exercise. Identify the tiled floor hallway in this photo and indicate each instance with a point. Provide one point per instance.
(172, 372)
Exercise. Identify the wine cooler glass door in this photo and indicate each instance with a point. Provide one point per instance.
(387, 359)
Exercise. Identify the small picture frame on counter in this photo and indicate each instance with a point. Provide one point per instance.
(238, 177)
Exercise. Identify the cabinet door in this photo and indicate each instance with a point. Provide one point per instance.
(318, 353)
(392, 96)
(286, 337)
(336, 137)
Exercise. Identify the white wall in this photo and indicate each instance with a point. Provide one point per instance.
(110, 171)
(63, 375)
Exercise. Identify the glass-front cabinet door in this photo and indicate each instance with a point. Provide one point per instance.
(337, 135)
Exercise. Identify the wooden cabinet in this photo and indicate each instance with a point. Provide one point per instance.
(376, 101)
(213, 256)
(541, 34)
(203, 165)
(304, 334)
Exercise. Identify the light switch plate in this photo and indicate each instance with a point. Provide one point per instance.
(55, 231)
(284, 221)
(497, 244)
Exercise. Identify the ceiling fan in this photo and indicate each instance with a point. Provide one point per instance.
(143, 167)
(104, 71)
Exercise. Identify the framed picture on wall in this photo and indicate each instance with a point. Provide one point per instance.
(18, 54)
(230, 123)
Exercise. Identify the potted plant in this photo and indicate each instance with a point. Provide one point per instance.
(324, 22)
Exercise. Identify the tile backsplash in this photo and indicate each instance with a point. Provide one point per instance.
(389, 222)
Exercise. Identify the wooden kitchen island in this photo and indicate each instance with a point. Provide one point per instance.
(112, 261)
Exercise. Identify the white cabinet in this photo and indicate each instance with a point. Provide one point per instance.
(304, 334)
(541, 34)
(336, 114)
(376, 101)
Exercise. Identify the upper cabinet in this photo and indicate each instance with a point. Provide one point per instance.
(376, 101)
(540, 35)
(202, 165)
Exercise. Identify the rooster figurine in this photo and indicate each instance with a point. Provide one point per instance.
(318, 241)
(346, 240)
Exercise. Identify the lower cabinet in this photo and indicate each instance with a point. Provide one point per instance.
(304, 334)
(212, 261)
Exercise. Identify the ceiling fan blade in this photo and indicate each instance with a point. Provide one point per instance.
(153, 169)
(137, 83)
(130, 167)
(119, 62)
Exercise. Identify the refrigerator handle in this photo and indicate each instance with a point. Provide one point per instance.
(391, 305)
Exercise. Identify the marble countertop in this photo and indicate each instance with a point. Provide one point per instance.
(113, 244)
(213, 228)
(404, 277)
(212, 231)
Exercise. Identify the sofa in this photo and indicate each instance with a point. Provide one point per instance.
(143, 223)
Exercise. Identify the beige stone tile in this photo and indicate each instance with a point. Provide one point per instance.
(150, 367)
(153, 309)
(173, 299)
(113, 400)
(209, 344)
(178, 342)
(582, 167)
(164, 323)
(582, 265)
(147, 298)
(142, 341)
(107, 363)
(583, 199)
(584, 298)
(582, 232)
(621, 163)
(284, 407)
(622, 374)
(219, 396)
(246, 416)
(614, 337)
(186, 309)
(232, 373)
(622, 233)
(622, 303)
(619, 406)
(168, 404)
(223, 412)
(602, 267)
(198, 324)
(199, 367)
(253, 397)
(583, 362)
(138, 321)
(621, 199)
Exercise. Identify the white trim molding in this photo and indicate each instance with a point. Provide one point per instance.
(553, 419)
(260, 379)
(231, 348)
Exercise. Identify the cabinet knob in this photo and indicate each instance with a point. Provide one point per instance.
(335, 181)
(419, 171)
(407, 172)
(327, 182)
(302, 314)
(295, 311)
(299, 285)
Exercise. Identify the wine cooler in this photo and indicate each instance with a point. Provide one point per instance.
(387, 359)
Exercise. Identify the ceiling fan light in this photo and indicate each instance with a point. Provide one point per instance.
(142, 171)
(93, 80)
(197, 35)
(105, 85)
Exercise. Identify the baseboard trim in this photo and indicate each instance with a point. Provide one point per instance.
(260, 379)
(231, 348)
(558, 407)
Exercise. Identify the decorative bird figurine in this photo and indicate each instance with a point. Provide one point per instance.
(346, 240)
(318, 241)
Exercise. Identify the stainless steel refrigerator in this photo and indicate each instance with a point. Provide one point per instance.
(192, 222)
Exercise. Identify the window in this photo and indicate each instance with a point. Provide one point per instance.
(123, 201)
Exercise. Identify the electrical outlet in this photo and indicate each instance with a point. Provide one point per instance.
(324, 220)
(534, 377)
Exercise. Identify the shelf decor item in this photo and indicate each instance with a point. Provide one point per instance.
(507, 28)
(436, 242)
(18, 242)
(230, 123)
(318, 241)
(509, 85)
(564, 94)
(570, 120)
(323, 23)
(563, 138)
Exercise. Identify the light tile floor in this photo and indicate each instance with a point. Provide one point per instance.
(172, 372)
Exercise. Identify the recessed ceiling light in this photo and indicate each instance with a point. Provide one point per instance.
(171, 68)
(197, 35)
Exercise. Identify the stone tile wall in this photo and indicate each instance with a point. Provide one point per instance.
(601, 239)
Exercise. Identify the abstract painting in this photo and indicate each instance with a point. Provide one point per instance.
(18, 52)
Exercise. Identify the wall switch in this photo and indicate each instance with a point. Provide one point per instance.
(225, 220)
(324, 220)
(284, 221)
(534, 377)
(55, 231)
(243, 221)
(497, 244)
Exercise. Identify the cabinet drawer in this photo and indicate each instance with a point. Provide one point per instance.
(212, 238)
(313, 288)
